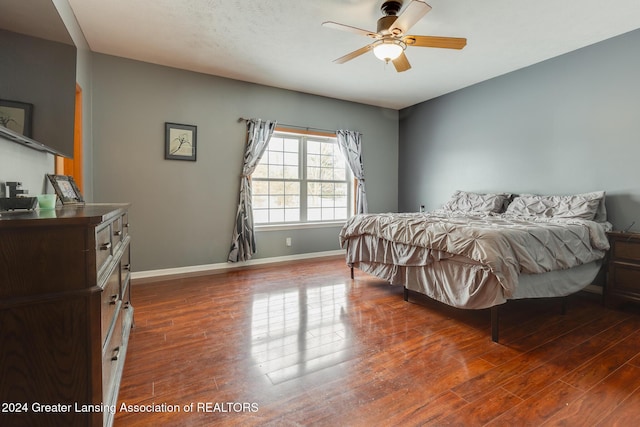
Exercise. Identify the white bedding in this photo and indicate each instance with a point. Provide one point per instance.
(470, 260)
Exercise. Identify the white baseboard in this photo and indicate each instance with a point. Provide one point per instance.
(139, 277)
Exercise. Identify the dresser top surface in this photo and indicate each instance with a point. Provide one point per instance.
(88, 214)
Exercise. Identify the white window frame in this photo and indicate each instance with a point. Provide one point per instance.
(303, 138)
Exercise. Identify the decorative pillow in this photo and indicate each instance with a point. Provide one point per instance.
(463, 201)
(583, 206)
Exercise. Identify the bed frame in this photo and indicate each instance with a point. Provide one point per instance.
(495, 311)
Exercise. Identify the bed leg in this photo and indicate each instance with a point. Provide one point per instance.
(494, 323)
(564, 305)
(405, 294)
(352, 272)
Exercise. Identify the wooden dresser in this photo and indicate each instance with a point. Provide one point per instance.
(65, 314)
(623, 282)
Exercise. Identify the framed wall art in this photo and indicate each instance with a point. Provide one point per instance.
(16, 116)
(66, 189)
(180, 141)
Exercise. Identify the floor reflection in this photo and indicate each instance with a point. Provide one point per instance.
(298, 330)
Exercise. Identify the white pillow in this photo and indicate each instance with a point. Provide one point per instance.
(463, 201)
(583, 206)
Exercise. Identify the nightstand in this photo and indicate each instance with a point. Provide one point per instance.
(623, 282)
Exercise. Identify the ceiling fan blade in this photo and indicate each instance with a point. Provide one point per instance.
(350, 29)
(401, 63)
(409, 16)
(434, 41)
(354, 54)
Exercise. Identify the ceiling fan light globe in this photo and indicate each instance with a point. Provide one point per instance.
(387, 51)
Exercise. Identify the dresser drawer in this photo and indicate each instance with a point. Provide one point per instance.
(104, 248)
(626, 249)
(110, 301)
(625, 277)
(110, 360)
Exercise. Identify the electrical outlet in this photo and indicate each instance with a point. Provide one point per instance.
(287, 241)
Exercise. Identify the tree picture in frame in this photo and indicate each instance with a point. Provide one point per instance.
(66, 189)
(180, 141)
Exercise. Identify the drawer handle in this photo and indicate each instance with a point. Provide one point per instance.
(127, 267)
(117, 233)
(105, 246)
(114, 299)
(116, 353)
(126, 225)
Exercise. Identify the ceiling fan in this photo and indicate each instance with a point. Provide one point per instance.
(391, 39)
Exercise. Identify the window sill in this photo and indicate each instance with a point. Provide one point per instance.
(299, 226)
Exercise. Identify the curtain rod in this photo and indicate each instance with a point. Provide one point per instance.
(333, 131)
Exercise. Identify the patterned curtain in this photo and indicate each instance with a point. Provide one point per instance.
(243, 242)
(350, 143)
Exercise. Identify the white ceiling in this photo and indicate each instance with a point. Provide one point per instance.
(281, 43)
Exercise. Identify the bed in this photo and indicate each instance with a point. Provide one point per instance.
(481, 250)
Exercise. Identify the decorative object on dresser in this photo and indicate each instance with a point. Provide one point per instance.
(180, 141)
(17, 198)
(66, 189)
(623, 282)
(65, 313)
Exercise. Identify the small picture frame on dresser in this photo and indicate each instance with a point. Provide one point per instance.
(66, 189)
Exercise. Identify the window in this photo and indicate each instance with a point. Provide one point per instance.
(301, 178)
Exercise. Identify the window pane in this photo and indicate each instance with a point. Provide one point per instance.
(260, 216)
(261, 171)
(260, 201)
(260, 187)
(314, 188)
(314, 201)
(275, 144)
(340, 174)
(276, 201)
(341, 213)
(341, 189)
(313, 160)
(276, 172)
(276, 215)
(275, 158)
(326, 174)
(341, 201)
(276, 187)
(313, 173)
(327, 213)
(292, 201)
(292, 215)
(291, 159)
(313, 147)
(290, 172)
(291, 145)
(292, 187)
(313, 214)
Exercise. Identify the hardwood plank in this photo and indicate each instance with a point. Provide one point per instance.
(601, 400)
(308, 345)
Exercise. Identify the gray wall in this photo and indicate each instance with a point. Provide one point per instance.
(183, 212)
(566, 125)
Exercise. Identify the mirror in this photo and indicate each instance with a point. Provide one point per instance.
(37, 69)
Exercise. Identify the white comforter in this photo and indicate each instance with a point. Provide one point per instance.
(508, 245)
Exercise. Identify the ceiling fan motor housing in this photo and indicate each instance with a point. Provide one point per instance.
(390, 8)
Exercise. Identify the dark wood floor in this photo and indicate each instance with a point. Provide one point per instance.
(305, 345)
